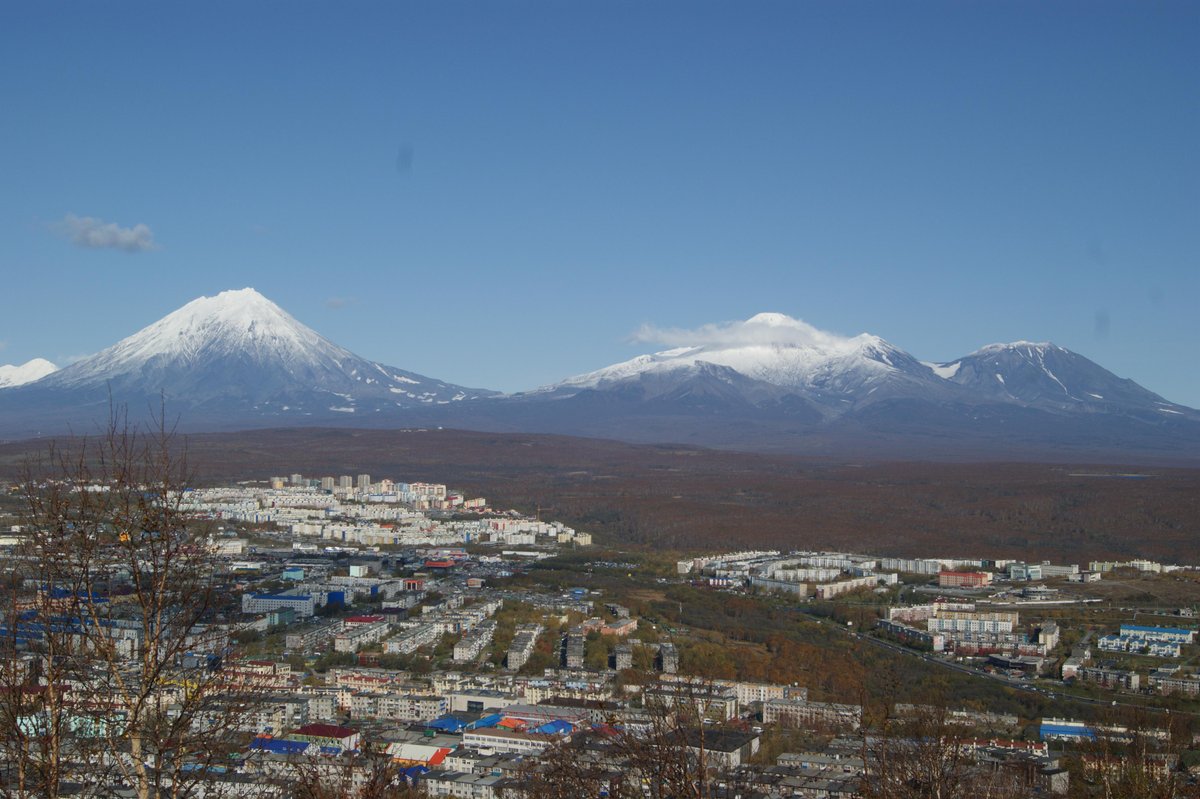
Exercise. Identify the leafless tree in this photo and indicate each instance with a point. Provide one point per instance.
(1134, 755)
(663, 751)
(363, 775)
(112, 646)
(923, 756)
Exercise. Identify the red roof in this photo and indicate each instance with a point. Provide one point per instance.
(363, 619)
(325, 731)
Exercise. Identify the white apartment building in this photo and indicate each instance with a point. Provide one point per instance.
(356, 636)
(499, 739)
(408, 641)
(303, 604)
(472, 644)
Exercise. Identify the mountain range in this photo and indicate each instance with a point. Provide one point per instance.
(238, 361)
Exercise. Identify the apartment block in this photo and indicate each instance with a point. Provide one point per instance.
(523, 642)
(304, 605)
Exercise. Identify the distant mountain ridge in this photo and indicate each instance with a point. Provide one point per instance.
(238, 361)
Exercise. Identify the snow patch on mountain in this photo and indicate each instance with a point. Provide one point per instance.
(943, 370)
(18, 375)
(769, 347)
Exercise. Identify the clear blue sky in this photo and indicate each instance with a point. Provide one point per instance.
(500, 193)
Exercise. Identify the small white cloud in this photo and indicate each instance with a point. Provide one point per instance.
(761, 329)
(96, 234)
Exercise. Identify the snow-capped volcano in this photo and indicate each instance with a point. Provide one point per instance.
(237, 359)
(772, 382)
(242, 324)
(1042, 374)
(778, 350)
(19, 375)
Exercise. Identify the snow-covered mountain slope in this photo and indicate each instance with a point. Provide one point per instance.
(771, 382)
(27, 372)
(236, 358)
(781, 351)
(1044, 375)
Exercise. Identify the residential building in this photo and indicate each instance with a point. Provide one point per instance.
(302, 604)
(952, 579)
(523, 642)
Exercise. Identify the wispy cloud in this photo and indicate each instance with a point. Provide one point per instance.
(96, 234)
(762, 329)
(337, 303)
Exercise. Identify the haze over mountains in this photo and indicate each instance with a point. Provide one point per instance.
(238, 361)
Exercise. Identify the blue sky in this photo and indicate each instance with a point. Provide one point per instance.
(501, 193)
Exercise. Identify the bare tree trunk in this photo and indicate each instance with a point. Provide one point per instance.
(120, 697)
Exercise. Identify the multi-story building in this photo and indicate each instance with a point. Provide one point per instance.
(573, 650)
(620, 628)
(1109, 678)
(1173, 684)
(408, 641)
(935, 642)
(523, 642)
(356, 636)
(709, 700)
(1048, 635)
(408, 708)
(1155, 641)
(471, 645)
(830, 590)
(466, 785)
(668, 658)
(953, 579)
(623, 656)
(802, 713)
(307, 640)
(1173, 635)
(499, 739)
(952, 622)
(304, 605)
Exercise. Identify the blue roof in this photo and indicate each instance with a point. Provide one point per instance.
(1171, 630)
(414, 773)
(192, 768)
(556, 727)
(1072, 731)
(448, 723)
(280, 746)
(486, 721)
